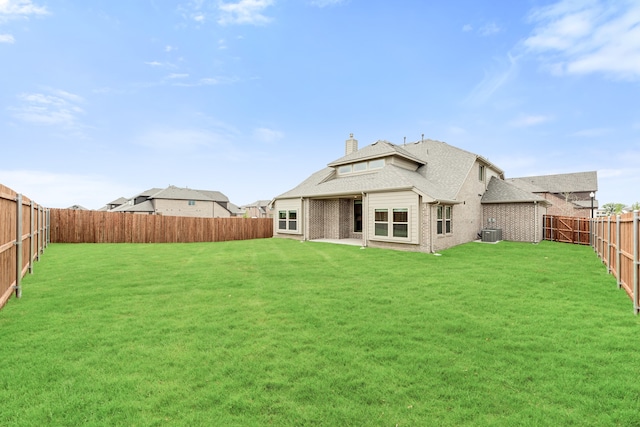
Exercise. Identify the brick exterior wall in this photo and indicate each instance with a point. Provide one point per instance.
(520, 222)
(563, 207)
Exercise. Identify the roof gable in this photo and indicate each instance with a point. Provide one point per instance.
(378, 149)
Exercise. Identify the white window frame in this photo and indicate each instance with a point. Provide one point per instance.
(288, 218)
(444, 220)
(390, 221)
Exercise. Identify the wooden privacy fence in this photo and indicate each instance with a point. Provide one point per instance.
(567, 229)
(78, 226)
(616, 240)
(23, 238)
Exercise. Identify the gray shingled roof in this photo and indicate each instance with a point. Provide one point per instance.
(443, 170)
(145, 206)
(500, 191)
(376, 150)
(118, 201)
(177, 193)
(559, 183)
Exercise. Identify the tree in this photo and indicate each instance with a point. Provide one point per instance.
(613, 208)
(635, 206)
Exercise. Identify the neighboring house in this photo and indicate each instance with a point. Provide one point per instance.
(78, 208)
(570, 194)
(258, 209)
(423, 196)
(118, 202)
(175, 201)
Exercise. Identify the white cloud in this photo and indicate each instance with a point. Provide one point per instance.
(15, 8)
(489, 29)
(592, 133)
(493, 81)
(58, 108)
(267, 135)
(7, 38)
(244, 12)
(529, 120)
(466, 28)
(592, 36)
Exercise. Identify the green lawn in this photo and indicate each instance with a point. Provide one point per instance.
(278, 332)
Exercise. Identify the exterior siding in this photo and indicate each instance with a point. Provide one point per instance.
(399, 199)
(289, 204)
(170, 207)
(520, 222)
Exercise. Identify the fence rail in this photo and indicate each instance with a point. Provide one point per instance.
(616, 240)
(24, 227)
(77, 226)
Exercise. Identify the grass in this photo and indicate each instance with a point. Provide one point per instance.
(278, 332)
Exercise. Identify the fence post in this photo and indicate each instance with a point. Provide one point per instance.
(31, 235)
(618, 251)
(636, 262)
(18, 244)
(47, 226)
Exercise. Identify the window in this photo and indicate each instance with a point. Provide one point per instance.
(345, 169)
(401, 223)
(293, 223)
(443, 220)
(288, 220)
(357, 216)
(360, 167)
(376, 164)
(192, 202)
(381, 222)
(481, 173)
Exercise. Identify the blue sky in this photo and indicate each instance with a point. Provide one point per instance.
(102, 99)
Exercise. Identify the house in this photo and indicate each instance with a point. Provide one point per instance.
(571, 194)
(258, 209)
(176, 201)
(423, 196)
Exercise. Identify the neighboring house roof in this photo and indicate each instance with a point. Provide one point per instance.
(500, 191)
(177, 193)
(78, 208)
(118, 201)
(145, 206)
(560, 183)
(442, 170)
(234, 209)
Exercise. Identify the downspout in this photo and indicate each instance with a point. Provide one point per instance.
(431, 226)
(535, 222)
